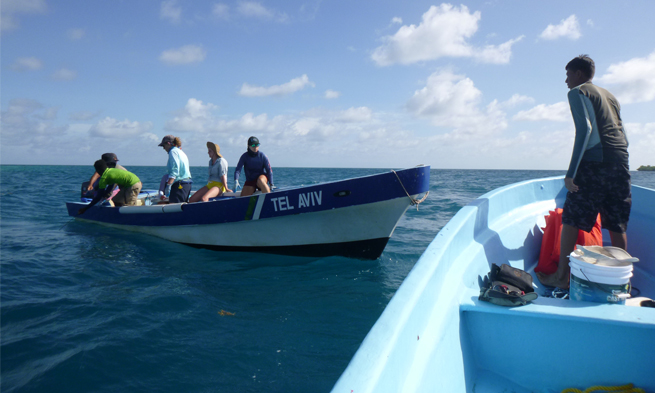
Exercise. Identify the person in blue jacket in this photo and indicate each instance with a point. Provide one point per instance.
(257, 168)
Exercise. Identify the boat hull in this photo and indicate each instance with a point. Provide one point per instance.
(435, 335)
(353, 218)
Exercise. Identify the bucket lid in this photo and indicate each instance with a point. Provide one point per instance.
(604, 256)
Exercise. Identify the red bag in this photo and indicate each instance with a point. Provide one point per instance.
(550, 244)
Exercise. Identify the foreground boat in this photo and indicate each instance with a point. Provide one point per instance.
(353, 218)
(436, 336)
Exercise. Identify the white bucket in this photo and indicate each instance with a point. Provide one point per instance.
(598, 278)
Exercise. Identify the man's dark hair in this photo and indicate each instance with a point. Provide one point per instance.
(100, 166)
(583, 63)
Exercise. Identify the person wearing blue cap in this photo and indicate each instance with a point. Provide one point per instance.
(257, 168)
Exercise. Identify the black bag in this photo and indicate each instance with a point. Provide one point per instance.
(507, 286)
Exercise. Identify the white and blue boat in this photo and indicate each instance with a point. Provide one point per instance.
(353, 218)
(436, 336)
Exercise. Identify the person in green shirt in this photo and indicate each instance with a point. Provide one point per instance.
(128, 183)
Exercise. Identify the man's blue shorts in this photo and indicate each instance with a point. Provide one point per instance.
(604, 187)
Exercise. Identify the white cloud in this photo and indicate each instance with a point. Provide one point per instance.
(632, 80)
(396, 20)
(27, 64)
(64, 74)
(499, 54)
(443, 32)
(355, 115)
(517, 99)
(331, 94)
(221, 11)
(314, 127)
(556, 112)
(115, 129)
(184, 55)
(195, 117)
(12, 8)
(452, 101)
(27, 122)
(170, 11)
(642, 143)
(83, 115)
(252, 9)
(287, 88)
(76, 34)
(567, 28)
(48, 114)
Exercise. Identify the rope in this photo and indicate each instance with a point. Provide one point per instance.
(414, 201)
(629, 388)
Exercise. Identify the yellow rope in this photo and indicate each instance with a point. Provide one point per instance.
(629, 388)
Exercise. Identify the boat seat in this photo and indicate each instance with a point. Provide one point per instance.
(579, 342)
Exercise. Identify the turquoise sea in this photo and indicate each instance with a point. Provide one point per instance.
(91, 309)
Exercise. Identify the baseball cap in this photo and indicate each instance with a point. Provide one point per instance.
(109, 157)
(167, 139)
(253, 141)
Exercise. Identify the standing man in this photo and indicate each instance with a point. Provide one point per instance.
(598, 178)
(258, 170)
(179, 182)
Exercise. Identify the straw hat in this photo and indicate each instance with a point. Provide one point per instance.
(215, 148)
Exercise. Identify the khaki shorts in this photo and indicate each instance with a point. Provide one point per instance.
(128, 196)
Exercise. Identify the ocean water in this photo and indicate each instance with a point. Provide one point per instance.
(91, 309)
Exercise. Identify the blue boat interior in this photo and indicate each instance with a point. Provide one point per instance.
(435, 335)
(553, 344)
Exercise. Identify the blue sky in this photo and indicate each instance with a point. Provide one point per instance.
(389, 84)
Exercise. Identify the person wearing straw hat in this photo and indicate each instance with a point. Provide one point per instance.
(217, 181)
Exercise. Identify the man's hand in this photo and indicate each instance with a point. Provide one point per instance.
(568, 183)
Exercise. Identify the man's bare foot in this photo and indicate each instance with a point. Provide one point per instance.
(552, 280)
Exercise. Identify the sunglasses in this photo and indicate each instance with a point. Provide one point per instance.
(255, 145)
